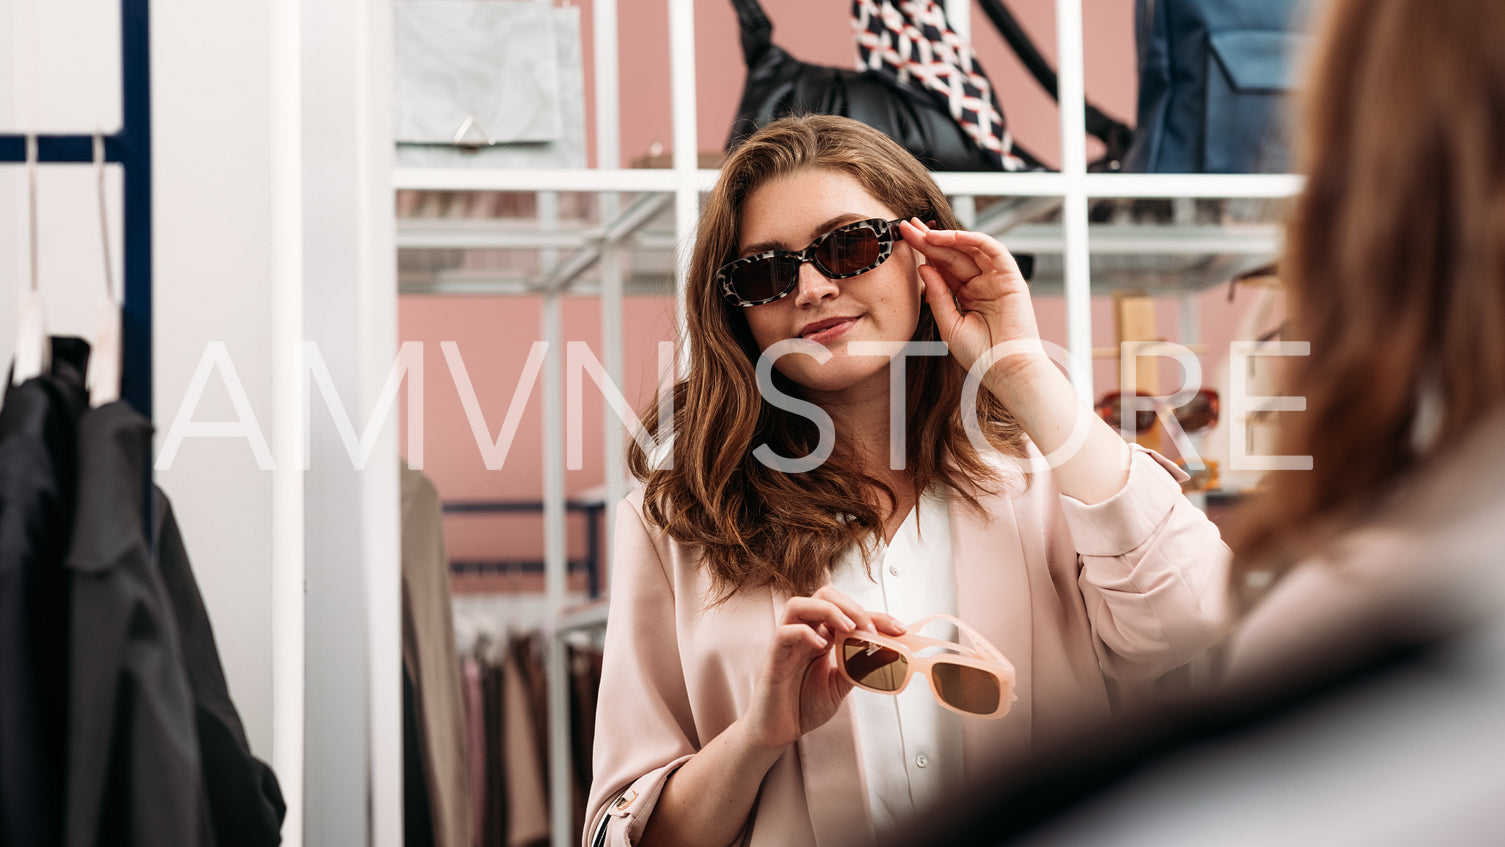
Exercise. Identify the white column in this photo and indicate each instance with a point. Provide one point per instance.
(353, 766)
(288, 503)
(1075, 258)
(556, 575)
(686, 152)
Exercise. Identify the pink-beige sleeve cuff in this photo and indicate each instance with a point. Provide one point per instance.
(1125, 521)
(627, 813)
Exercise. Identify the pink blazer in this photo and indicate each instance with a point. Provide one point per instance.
(1131, 588)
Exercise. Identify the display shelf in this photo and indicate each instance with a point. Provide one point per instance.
(955, 183)
(1163, 259)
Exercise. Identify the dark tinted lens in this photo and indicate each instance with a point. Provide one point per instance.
(966, 688)
(764, 279)
(1200, 413)
(874, 665)
(1110, 409)
(849, 251)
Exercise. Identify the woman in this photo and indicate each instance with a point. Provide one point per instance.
(1395, 273)
(784, 523)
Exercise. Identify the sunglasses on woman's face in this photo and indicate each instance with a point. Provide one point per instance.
(971, 681)
(1195, 415)
(842, 253)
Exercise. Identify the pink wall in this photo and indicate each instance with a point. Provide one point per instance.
(495, 334)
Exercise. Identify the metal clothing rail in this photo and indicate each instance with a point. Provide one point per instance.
(131, 147)
(594, 511)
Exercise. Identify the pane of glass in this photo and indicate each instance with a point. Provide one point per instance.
(967, 688)
(873, 665)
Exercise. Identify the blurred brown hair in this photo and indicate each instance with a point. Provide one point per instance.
(1395, 260)
(756, 525)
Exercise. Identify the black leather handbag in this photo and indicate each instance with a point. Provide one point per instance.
(779, 84)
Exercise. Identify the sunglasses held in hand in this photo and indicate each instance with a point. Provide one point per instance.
(975, 680)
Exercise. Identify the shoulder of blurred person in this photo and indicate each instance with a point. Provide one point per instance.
(1427, 559)
(1360, 708)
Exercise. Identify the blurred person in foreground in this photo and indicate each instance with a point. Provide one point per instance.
(1395, 273)
(1364, 689)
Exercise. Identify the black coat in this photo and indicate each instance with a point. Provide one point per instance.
(158, 754)
(37, 478)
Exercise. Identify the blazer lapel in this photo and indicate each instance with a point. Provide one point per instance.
(993, 596)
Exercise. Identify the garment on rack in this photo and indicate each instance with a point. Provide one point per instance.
(495, 786)
(585, 688)
(417, 816)
(476, 734)
(507, 709)
(429, 657)
(134, 770)
(38, 438)
(525, 743)
(244, 799)
(157, 753)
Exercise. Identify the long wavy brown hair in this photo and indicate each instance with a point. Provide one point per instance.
(1395, 261)
(755, 525)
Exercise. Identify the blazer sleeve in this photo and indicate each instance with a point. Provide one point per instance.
(1153, 571)
(644, 726)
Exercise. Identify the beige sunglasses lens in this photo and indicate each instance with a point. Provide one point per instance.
(873, 665)
(967, 688)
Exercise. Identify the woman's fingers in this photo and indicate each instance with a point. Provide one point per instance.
(813, 612)
(957, 266)
(938, 294)
(830, 613)
(962, 255)
(864, 619)
(983, 249)
(799, 640)
(888, 624)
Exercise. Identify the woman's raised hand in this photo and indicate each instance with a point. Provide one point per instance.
(800, 687)
(977, 294)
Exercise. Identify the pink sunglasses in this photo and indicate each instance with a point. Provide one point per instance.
(970, 681)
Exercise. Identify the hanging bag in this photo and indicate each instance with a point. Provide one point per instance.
(1115, 135)
(1214, 76)
(919, 118)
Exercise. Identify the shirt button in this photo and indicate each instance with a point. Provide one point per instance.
(922, 760)
(893, 569)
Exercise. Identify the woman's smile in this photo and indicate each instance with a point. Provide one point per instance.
(828, 330)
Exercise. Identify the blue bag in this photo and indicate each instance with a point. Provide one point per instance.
(1214, 76)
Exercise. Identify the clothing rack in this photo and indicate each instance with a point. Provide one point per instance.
(131, 148)
(595, 514)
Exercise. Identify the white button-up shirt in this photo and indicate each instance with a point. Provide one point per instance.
(910, 746)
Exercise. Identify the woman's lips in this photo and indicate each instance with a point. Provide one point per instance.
(828, 331)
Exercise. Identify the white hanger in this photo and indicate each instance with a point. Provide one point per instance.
(104, 361)
(33, 348)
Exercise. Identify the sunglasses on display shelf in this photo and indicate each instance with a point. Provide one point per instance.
(1203, 477)
(1195, 415)
(975, 681)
